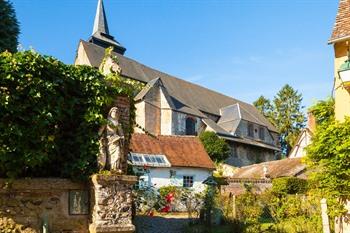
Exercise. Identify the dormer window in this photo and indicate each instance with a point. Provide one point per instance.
(250, 130)
(190, 126)
(262, 133)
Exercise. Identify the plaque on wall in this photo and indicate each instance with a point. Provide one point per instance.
(78, 202)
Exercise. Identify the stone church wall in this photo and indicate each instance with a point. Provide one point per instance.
(243, 154)
(32, 202)
(179, 123)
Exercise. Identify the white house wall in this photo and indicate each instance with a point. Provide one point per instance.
(160, 177)
(299, 149)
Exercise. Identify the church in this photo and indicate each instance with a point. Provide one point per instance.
(168, 105)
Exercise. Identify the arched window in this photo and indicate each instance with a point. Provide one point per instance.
(190, 126)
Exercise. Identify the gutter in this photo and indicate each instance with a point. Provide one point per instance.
(339, 39)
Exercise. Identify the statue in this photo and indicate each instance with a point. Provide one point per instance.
(111, 143)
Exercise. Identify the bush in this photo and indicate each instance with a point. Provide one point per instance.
(165, 190)
(289, 185)
(50, 114)
(216, 147)
(249, 211)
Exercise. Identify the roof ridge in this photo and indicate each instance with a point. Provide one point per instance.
(162, 135)
(183, 80)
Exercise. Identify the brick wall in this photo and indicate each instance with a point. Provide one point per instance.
(123, 104)
(29, 201)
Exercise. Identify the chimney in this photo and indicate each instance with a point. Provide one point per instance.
(311, 122)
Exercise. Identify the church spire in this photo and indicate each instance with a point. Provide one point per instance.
(100, 34)
(100, 24)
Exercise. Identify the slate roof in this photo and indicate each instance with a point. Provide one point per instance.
(278, 168)
(341, 28)
(191, 96)
(215, 127)
(181, 151)
(100, 33)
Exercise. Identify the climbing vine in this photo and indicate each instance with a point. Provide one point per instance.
(50, 114)
(328, 156)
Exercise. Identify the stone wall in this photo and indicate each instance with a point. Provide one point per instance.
(111, 202)
(123, 104)
(243, 154)
(179, 123)
(32, 202)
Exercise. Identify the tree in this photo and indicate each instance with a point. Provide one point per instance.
(216, 147)
(264, 106)
(288, 116)
(9, 28)
(285, 113)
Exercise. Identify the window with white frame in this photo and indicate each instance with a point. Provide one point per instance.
(187, 181)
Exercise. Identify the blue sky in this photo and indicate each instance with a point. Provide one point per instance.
(242, 48)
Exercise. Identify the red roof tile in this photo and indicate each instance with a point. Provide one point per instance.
(341, 27)
(181, 151)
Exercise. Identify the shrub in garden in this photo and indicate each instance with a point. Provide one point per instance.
(249, 211)
(50, 114)
(289, 185)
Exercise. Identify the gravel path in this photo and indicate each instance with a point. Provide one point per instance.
(146, 224)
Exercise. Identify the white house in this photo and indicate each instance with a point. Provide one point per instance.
(304, 138)
(170, 160)
(303, 141)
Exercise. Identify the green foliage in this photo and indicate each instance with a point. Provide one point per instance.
(323, 111)
(50, 115)
(289, 185)
(285, 113)
(9, 28)
(165, 190)
(264, 106)
(150, 199)
(293, 213)
(216, 147)
(249, 211)
(329, 157)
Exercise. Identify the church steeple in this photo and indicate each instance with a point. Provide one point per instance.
(100, 24)
(100, 34)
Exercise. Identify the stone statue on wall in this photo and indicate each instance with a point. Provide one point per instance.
(111, 143)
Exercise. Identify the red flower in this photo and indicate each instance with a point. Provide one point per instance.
(165, 209)
(169, 197)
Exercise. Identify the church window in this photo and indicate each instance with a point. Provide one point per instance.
(250, 130)
(190, 126)
(261, 133)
